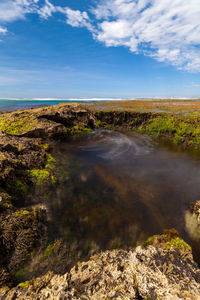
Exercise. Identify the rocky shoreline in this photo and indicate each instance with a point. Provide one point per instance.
(162, 269)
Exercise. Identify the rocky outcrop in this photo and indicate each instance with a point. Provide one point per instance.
(122, 118)
(26, 165)
(163, 270)
(23, 143)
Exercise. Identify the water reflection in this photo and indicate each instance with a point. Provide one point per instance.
(119, 189)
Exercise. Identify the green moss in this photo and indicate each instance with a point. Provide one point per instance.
(22, 212)
(21, 186)
(180, 130)
(40, 175)
(49, 250)
(78, 129)
(7, 205)
(51, 162)
(149, 241)
(49, 166)
(177, 243)
(20, 147)
(50, 159)
(53, 179)
(24, 285)
(32, 254)
(17, 124)
(44, 146)
(98, 124)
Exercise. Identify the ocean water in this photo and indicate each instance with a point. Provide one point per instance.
(10, 105)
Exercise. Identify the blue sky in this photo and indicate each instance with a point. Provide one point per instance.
(104, 48)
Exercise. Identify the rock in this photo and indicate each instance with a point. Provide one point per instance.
(27, 167)
(155, 272)
(21, 232)
(192, 220)
(195, 209)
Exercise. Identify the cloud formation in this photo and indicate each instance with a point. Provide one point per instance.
(167, 30)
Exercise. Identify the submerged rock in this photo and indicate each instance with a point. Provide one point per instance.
(154, 272)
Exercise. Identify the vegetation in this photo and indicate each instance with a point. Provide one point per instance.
(24, 285)
(177, 243)
(17, 124)
(40, 175)
(21, 186)
(179, 129)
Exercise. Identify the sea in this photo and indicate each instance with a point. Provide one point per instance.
(15, 104)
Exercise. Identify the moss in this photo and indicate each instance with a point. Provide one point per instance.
(149, 241)
(44, 146)
(98, 124)
(51, 162)
(17, 124)
(53, 179)
(22, 212)
(40, 175)
(24, 285)
(50, 159)
(78, 129)
(177, 243)
(32, 254)
(21, 186)
(49, 166)
(49, 250)
(20, 147)
(180, 130)
(7, 205)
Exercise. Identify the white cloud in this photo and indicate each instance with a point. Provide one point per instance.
(167, 30)
(11, 10)
(47, 10)
(3, 30)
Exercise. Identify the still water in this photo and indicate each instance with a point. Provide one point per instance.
(119, 188)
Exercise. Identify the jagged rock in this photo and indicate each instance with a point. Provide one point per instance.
(143, 273)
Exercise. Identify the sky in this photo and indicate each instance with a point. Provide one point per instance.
(103, 49)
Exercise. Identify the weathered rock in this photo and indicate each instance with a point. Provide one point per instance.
(143, 273)
(46, 122)
(21, 231)
(192, 221)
